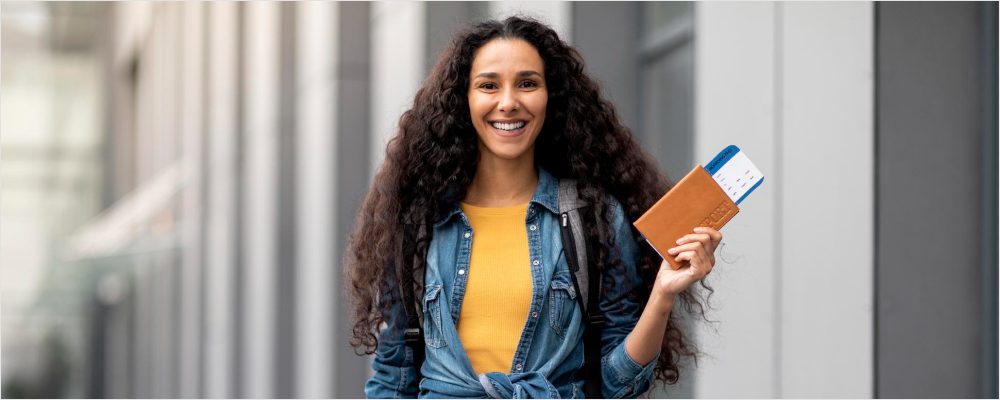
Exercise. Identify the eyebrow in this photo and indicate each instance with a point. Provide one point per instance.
(521, 74)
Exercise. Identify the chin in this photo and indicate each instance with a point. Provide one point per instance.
(508, 151)
(509, 154)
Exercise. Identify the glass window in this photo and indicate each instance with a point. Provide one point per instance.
(667, 84)
(662, 14)
(668, 110)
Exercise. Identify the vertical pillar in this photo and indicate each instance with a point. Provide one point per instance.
(398, 51)
(221, 195)
(260, 180)
(735, 103)
(316, 204)
(827, 155)
(353, 88)
(191, 229)
(791, 84)
(557, 14)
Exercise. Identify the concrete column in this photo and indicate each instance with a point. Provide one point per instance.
(557, 14)
(398, 52)
(791, 84)
(353, 142)
(260, 180)
(735, 103)
(220, 216)
(192, 36)
(165, 152)
(826, 144)
(316, 202)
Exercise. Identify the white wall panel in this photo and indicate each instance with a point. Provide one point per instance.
(316, 170)
(827, 263)
(221, 213)
(735, 104)
(191, 60)
(260, 180)
(398, 51)
(556, 14)
(791, 84)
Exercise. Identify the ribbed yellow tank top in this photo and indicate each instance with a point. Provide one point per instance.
(498, 292)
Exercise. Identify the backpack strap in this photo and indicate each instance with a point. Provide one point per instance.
(577, 252)
(414, 333)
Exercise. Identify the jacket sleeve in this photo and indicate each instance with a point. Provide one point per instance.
(622, 376)
(395, 375)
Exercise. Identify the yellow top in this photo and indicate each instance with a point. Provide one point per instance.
(498, 292)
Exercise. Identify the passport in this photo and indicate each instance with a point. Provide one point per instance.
(706, 196)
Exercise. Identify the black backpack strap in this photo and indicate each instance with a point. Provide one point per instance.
(414, 333)
(586, 282)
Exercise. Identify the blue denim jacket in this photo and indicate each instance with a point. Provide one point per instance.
(549, 356)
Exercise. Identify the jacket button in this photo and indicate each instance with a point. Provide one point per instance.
(518, 367)
(534, 262)
(534, 314)
(533, 227)
(467, 234)
(461, 272)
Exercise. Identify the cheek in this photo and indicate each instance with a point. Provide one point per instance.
(477, 109)
(538, 105)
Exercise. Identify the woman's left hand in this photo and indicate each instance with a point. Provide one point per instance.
(698, 249)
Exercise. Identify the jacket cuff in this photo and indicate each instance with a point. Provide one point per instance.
(627, 370)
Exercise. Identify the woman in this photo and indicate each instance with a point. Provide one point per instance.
(505, 114)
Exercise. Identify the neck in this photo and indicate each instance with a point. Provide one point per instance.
(502, 183)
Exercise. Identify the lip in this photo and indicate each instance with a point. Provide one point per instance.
(508, 134)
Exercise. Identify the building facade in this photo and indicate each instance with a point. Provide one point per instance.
(240, 139)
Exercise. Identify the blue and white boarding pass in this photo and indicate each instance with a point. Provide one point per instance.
(734, 173)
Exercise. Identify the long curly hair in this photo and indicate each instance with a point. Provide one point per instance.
(432, 159)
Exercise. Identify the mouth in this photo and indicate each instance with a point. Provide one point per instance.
(508, 128)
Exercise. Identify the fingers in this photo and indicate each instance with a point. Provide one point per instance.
(698, 249)
(685, 247)
(697, 257)
(698, 265)
(706, 235)
(714, 234)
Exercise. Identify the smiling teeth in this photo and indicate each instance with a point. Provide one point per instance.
(508, 126)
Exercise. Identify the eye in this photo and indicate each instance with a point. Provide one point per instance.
(488, 86)
(529, 83)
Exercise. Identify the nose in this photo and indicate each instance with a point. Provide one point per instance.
(508, 101)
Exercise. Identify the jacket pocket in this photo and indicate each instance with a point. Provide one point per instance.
(562, 300)
(433, 335)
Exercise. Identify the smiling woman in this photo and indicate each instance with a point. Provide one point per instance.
(507, 99)
(467, 205)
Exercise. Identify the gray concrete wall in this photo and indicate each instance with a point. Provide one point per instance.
(791, 84)
(932, 306)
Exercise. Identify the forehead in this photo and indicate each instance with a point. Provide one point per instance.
(506, 55)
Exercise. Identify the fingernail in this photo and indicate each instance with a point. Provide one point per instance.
(679, 241)
(672, 250)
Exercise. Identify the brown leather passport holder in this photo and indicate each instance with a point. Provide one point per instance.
(697, 200)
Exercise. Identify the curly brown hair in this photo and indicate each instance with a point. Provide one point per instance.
(432, 159)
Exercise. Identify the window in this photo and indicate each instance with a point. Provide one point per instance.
(666, 63)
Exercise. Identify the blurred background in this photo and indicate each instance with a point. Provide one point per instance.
(179, 179)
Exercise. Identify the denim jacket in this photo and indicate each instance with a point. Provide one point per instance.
(549, 356)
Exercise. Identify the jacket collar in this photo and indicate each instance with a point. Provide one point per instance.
(546, 195)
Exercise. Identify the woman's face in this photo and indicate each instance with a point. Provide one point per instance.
(507, 98)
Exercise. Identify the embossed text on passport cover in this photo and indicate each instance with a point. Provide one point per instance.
(696, 200)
